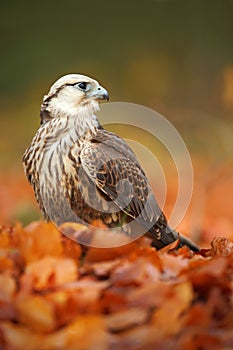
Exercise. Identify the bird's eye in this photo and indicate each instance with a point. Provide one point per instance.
(82, 86)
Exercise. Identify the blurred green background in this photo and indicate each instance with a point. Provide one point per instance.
(173, 56)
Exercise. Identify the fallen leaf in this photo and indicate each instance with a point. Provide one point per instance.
(50, 272)
(36, 313)
(123, 320)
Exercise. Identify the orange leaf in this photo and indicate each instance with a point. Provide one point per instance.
(52, 272)
(36, 313)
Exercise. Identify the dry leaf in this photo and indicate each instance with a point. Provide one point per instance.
(51, 272)
(36, 312)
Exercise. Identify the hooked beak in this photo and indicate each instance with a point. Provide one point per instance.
(99, 93)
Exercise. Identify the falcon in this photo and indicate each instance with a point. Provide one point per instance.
(81, 172)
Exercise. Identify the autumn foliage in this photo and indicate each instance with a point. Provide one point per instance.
(56, 294)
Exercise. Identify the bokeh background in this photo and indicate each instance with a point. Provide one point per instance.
(173, 56)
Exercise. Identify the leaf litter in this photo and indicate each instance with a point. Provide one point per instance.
(57, 294)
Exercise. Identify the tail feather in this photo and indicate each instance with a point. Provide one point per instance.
(162, 236)
(188, 242)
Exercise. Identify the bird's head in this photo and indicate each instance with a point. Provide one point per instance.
(72, 94)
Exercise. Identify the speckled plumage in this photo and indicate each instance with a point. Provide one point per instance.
(81, 172)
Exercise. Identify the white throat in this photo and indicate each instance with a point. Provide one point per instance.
(80, 117)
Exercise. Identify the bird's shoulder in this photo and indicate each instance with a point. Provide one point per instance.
(109, 145)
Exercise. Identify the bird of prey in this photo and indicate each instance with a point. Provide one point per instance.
(81, 172)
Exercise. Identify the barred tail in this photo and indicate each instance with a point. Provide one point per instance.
(162, 236)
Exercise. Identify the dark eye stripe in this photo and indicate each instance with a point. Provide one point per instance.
(82, 85)
(46, 100)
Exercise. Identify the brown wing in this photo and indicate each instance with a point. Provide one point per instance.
(112, 166)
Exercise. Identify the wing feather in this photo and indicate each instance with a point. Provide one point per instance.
(112, 166)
